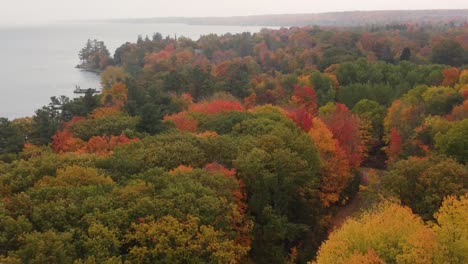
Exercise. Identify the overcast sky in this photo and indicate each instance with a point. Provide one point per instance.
(25, 11)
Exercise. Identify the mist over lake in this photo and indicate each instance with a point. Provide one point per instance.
(39, 61)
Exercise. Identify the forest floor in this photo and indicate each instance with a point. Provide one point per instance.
(357, 204)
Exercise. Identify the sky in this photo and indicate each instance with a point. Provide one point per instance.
(27, 11)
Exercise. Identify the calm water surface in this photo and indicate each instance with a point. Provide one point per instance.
(38, 61)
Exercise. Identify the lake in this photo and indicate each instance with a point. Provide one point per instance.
(38, 61)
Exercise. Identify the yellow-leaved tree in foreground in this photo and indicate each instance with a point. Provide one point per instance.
(391, 233)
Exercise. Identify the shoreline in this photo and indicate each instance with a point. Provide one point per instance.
(84, 68)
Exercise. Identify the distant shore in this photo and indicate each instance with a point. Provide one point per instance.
(88, 69)
(340, 19)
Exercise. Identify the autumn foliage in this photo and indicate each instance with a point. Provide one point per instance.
(116, 96)
(183, 121)
(387, 226)
(335, 169)
(450, 76)
(305, 97)
(239, 223)
(64, 141)
(103, 145)
(395, 147)
(216, 106)
(301, 117)
(306, 107)
(247, 148)
(345, 129)
(159, 60)
(459, 112)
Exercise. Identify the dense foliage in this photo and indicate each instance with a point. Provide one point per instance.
(243, 149)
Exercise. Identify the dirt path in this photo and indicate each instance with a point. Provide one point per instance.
(352, 207)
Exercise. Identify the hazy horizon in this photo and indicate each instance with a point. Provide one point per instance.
(46, 11)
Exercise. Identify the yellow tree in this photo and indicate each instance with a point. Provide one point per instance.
(111, 76)
(169, 240)
(390, 231)
(452, 230)
(114, 96)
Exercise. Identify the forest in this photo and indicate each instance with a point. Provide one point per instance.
(249, 148)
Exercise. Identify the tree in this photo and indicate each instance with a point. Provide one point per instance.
(111, 76)
(235, 75)
(11, 229)
(169, 240)
(11, 138)
(305, 97)
(423, 183)
(64, 141)
(390, 233)
(302, 118)
(183, 121)
(46, 247)
(448, 52)
(279, 165)
(441, 100)
(324, 87)
(451, 231)
(104, 145)
(345, 128)
(455, 142)
(374, 113)
(405, 54)
(75, 176)
(216, 106)
(405, 115)
(101, 242)
(395, 147)
(114, 123)
(451, 76)
(115, 96)
(150, 118)
(45, 123)
(335, 170)
(459, 112)
(94, 55)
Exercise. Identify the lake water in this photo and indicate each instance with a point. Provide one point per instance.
(38, 61)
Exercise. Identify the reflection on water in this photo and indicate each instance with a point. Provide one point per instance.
(38, 61)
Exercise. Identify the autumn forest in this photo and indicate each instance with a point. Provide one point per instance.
(292, 145)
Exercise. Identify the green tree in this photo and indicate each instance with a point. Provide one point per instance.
(47, 247)
(374, 112)
(454, 142)
(323, 87)
(422, 183)
(169, 240)
(111, 125)
(405, 54)
(448, 52)
(11, 138)
(441, 100)
(101, 243)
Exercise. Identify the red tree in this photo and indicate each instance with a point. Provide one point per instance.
(302, 118)
(183, 121)
(216, 106)
(345, 128)
(305, 97)
(395, 147)
(450, 76)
